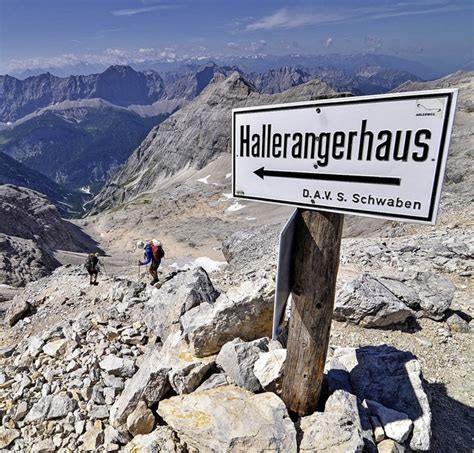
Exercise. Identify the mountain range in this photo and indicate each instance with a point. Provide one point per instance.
(78, 130)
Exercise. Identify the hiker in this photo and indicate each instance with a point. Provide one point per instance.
(153, 253)
(92, 266)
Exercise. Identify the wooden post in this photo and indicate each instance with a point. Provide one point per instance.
(315, 261)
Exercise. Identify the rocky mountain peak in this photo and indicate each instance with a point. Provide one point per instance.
(195, 135)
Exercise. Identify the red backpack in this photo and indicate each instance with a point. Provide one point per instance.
(157, 252)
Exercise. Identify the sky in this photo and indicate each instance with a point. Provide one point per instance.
(54, 33)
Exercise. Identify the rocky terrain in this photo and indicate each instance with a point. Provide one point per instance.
(31, 230)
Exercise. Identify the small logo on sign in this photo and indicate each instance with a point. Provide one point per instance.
(425, 109)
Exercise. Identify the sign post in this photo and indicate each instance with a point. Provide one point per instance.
(379, 156)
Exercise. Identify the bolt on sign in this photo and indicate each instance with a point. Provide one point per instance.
(379, 156)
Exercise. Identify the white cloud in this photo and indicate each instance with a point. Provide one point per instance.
(145, 9)
(247, 46)
(284, 18)
(329, 42)
(287, 19)
(133, 11)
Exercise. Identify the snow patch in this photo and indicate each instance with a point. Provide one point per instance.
(250, 218)
(86, 189)
(228, 195)
(205, 180)
(208, 264)
(235, 207)
(228, 175)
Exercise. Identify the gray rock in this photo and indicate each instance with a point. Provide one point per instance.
(35, 346)
(176, 297)
(125, 290)
(214, 381)
(237, 359)
(428, 292)
(396, 424)
(39, 410)
(206, 420)
(97, 412)
(19, 309)
(114, 436)
(162, 439)
(149, 384)
(61, 404)
(117, 366)
(392, 378)
(251, 249)
(367, 302)
(21, 410)
(55, 348)
(268, 369)
(44, 446)
(457, 324)
(404, 292)
(343, 426)
(23, 260)
(245, 311)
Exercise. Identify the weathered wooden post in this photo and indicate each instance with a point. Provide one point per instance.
(315, 261)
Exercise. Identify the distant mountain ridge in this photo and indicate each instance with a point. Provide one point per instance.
(15, 173)
(77, 146)
(253, 63)
(125, 87)
(78, 130)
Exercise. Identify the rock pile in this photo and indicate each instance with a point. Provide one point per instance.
(200, 380)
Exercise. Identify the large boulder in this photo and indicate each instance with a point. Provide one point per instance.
(367, 302)
(246, 311)
(149, 384)
(390, 377)
(237, 359)
(343, 426)
(230, 418)
(177, 296)
(430, 293)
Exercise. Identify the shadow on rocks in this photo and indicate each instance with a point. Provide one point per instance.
(452, 423)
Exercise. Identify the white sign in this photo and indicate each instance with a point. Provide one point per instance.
(379, 156)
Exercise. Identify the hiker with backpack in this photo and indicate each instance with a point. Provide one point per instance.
(153, 253)
(92, 265)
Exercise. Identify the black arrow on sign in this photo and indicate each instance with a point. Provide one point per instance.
(384, 180)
